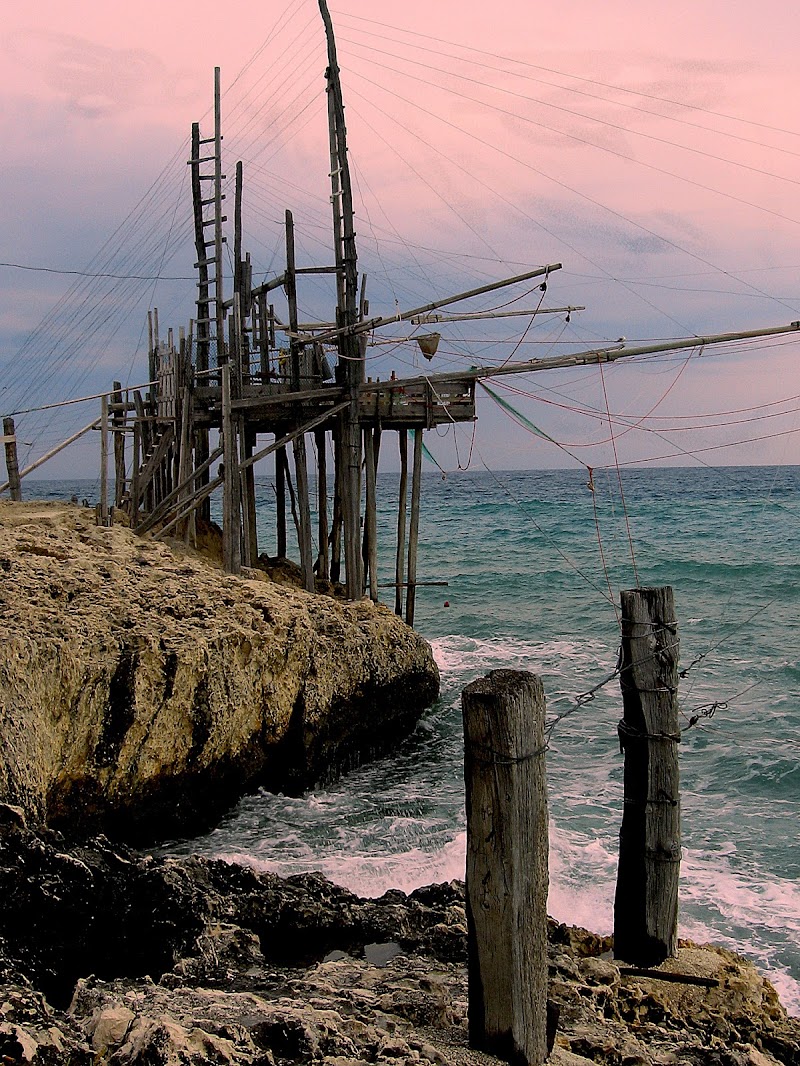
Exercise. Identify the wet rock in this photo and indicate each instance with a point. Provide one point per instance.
(150, 962)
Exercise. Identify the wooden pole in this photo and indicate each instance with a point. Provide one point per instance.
(42, 458)
(182, 490)
(249, 488)
(400, 565)
(323, 558)
(12, 462)
(299, 443)
(135, 467)
(336, 529)
(351, 362)
(104, 461)
(118, 420)
(231, 509)
(370, 516)
(507, 869)
(413, 533)
(646, 903)
(280, 502)
(301, 480)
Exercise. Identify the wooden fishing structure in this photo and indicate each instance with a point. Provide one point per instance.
(239, 374)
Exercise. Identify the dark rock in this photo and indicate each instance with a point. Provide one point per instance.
(107, 956)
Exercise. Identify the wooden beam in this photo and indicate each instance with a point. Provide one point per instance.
(187, 482)
(287, 438)
(404, 316)
(190, 505)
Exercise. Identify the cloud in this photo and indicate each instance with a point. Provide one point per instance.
(95, 80)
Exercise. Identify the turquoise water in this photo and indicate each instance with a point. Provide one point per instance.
(528, 588)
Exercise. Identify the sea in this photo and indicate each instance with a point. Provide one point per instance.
(534, 562)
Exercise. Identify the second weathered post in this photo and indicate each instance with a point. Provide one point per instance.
(646, 903)
(12, 463)
(506, 880)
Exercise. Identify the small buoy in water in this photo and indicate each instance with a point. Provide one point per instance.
(447, 603)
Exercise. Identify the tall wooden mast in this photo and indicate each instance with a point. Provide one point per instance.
(350, 371)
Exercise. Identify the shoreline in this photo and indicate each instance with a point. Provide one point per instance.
(148, 960)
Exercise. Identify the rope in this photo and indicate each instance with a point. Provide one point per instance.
(619, 476)
(591, 488)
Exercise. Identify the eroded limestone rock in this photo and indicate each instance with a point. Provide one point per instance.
(142, 691)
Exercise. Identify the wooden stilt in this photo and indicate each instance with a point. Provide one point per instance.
(249, 488)
(413, 533)
(280, 502)
(646, 903)
(231, 507)
(336, 528)
(103, 461)
(323, 557)
(301, 478)
(12, 462)
(370, 515)
(135, 465)
(118, 419)
(506, 876)
(185, 454)
(292, 497)
(400, 564)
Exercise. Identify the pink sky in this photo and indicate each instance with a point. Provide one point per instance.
(665, 229)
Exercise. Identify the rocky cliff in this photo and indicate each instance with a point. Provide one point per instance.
(142, 691)
(109, 957)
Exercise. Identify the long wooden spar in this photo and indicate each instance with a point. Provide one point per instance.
(585, 358)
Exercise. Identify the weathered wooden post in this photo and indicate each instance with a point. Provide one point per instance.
(413, 533)
(118, 421)
(12, 463)
(646, 903)
(231, 504)
(103, 513)
(400, 563)
(507, 853)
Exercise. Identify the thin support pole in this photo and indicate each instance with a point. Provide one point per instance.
(249, 489)
(336, 528)
(400, 564)
(301, 479)
(323, 558)
(646, 902)
(280, 502)
(413, 533)
(370, 515)
(136, 464)
(104, 461)
(118, 420)
(231, 507)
